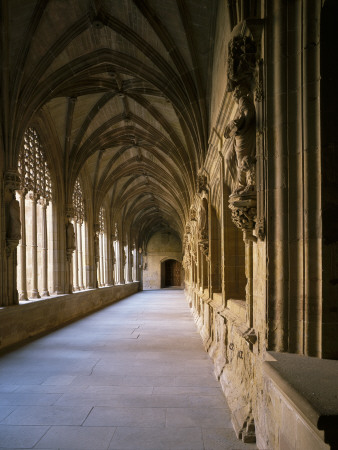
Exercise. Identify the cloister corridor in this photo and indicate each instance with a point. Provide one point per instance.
(133, 375)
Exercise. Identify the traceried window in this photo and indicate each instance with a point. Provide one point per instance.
(79, 266)
(102, 275)
(35, 268)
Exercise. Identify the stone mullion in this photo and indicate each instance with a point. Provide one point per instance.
(23, 246)
(137, 263)
(121, 258)
(130, 264)
(99, 272)
(44, 249)
(105, 259)
(134, 267)
(80, 255)
(129, 267)
(34, 245)
(101, 281)
(118, 263)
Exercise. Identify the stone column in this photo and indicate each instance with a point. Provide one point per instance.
(45, 292)
(105, 259)
(13, 235)
(97, 258)
(244, 210)
(79, 253)
(34, 292)
(75, 260)
(122, 256)
(112, 261)
(139, 265)
(117, 263)
(23, 273)
(70, 247)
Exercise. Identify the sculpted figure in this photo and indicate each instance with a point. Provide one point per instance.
(96, 246)
(203, 231)
(241, 155)
(113, 253)
(70, 236)
(14, 222)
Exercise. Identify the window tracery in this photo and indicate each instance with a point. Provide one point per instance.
(103, 262)
(33, 168)
(35, 196)
(78, 202)
(79, 275)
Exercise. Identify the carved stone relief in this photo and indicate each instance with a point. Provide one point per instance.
(243, 211)
(193, 214)
(240, 157)
(241, 61)
(13, 222)
(201, 184)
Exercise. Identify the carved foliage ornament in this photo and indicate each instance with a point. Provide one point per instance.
(193, 215)
(241, 61)
(243, 212)
(78, 202)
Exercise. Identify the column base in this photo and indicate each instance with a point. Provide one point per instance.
(23, 296)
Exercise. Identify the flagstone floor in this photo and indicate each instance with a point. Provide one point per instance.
(133, 376)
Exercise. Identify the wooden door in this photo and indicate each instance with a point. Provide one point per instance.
(172, 273)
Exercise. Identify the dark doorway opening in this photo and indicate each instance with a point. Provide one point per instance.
(171, 273)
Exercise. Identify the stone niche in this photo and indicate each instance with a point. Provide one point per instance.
(162, 246)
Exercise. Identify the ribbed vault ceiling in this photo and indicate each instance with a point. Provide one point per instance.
(125, 84)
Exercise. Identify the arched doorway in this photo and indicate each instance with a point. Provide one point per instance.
(171, 271)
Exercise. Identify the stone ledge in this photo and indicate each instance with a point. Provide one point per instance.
(24, 321)
(311, 386)
(238, 324)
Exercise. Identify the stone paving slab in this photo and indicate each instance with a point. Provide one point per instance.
(133, 376)
(82, 438)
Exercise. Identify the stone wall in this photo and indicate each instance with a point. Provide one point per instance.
(276, 305)
(161, 246)
(30, 319)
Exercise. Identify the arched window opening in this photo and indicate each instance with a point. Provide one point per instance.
(102, 275)
(79, 266)
(35, 266)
